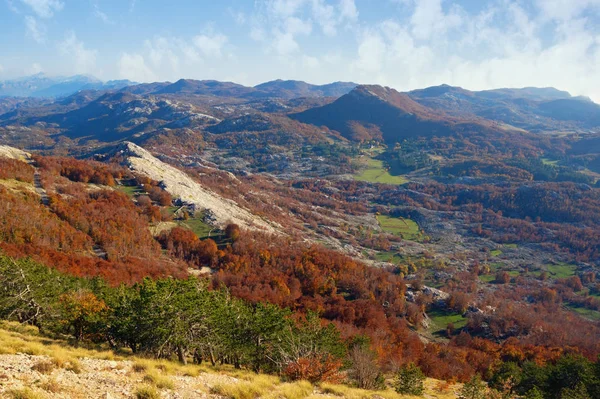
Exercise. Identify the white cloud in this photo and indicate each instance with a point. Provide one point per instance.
(429, 19)
(238, 16)
(501, 46)
(285, 8)
(161, 52)
(211, 45)
(565, 9)
(133, 67)
(35, 30)
(324, 14)
(11, 6)
(84, 60)
(101, 15)
(310, 62)
(284, 44)
(348, 10)
(35, 68)
(1, 68)
(44, 8)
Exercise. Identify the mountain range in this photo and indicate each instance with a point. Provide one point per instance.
(41, 85)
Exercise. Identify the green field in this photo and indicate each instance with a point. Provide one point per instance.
(197, 225)
(561, 270)
(587, 313)
(131, 191)
(548, 161)
(200, 228)
(495, 252)
(440, 320)
(406, 228)
(377, 173)
(389, 256)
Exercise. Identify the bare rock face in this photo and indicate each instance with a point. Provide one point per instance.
(182, 186)
(13, 153)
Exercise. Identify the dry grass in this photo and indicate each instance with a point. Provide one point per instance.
(257, 386)
(24, 393)
(146, 392)
(44, 367)
(221, 380)
(17, 338)
(51, 385)
(292, 390)
(159, 381)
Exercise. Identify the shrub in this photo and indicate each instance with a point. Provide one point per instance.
(44, 367)
(146, 392)
(365, 373)
(409, 380)
(315, 369)
(51, 385)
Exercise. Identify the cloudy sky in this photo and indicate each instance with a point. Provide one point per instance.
(404, 44)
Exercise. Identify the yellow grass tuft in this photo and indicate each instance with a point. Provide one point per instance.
(51, 385)
(292, 390)
(159, 381)
(146, 392)
(257, 387)
(24, 393)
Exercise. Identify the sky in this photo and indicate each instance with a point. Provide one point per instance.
(404, 44)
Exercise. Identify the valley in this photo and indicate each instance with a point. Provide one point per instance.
(453, 229)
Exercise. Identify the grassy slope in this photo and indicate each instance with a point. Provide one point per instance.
(406, 228)
(375, 172)
(66, 366)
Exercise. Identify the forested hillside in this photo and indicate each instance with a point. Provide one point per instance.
(374, 239)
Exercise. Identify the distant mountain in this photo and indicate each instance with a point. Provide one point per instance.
(41, 85)
(531, 93)
(375, 112)
(530, 108)
(112, 116)
(206, 87)
(294, 88)
(283, 89)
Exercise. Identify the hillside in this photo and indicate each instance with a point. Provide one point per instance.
(52, 368)
(378, 113)
(534, 109)
(180, 185)
(293, 88)
(304, 237)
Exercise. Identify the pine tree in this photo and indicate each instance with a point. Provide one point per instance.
(409, 380)
(474, 389)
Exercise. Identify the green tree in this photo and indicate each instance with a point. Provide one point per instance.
(506, 377)
(83, 312)
(569, 372)
(473, 389)
(578, 392)
(534, 393)
(409, 380)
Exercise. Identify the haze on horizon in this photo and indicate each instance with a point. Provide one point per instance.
(405, 44)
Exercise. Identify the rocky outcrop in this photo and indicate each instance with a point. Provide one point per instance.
(14, 153)
(181, 185)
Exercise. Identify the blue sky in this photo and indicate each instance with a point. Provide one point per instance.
(405, 44)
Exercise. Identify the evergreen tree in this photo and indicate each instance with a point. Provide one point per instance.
(409, 380)
(474, 389)
(534, 393)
